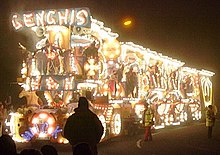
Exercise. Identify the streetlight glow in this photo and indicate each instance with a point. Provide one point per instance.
(128, 22)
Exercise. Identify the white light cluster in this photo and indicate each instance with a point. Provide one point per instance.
(51, 84)
(68, 83)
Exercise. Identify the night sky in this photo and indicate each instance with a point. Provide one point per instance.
(187, 30)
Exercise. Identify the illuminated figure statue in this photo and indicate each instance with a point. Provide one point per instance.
(173, 80)
(32, 98)
(119, 89)
(92, 51)
(187, 86)
(57, 102)
(50, 52)
(131, 82)
(112, 85)
(41, 60)
(157, 74)
(152, 80)
(53, 59)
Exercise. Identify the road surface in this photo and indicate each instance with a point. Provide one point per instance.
(181, 140)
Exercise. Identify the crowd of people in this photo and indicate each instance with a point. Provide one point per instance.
(8, 147)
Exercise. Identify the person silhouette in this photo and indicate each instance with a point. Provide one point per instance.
(30, 151)
(210, 120)
(83, 127)
(82, 149)
(7, 145)
(48, 150)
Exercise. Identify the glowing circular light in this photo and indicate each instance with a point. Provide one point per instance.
(116, 126)
(43, 124)
(111, 49)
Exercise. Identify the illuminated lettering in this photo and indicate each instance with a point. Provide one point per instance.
(63, 17)
(29, 20)
(15, 22)
(73, 17)
(40, 18)
(50, 17)
(56, 131)
(81, 17)
(27, 135)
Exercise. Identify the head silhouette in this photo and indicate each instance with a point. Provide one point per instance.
(30, 152)
(48, 150)
(83, 103)
(7, 145)
(82, 149)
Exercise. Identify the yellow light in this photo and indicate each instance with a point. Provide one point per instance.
(50, 130)
(105, 86)
(60, 140)
(34, 120)
(111, 49)
(43, 115)
(50, 121)
(65, 141)
(42, 135)
(128, 22)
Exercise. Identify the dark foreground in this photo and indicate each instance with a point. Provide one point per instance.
(179, 140)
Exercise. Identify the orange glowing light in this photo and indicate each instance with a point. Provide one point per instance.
(128, 22)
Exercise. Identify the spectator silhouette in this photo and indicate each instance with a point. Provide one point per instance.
(48, 150)
(7, 145)
(82, 149)
(210, 120)
(30, 152)
(83, 126)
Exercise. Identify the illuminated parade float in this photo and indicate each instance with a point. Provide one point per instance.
(76, 55)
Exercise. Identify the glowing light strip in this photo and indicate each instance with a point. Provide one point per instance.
(206, 73)
(146, 51)
(98, 26)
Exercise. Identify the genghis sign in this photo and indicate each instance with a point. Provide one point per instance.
(79, 17)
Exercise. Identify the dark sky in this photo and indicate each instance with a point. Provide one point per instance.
(188, 30)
